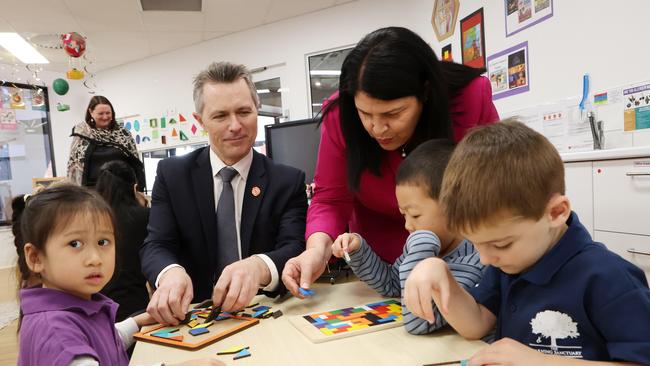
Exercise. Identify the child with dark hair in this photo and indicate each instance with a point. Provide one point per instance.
(117, 184)
(66, 241)
(555, 296)
(418, 181)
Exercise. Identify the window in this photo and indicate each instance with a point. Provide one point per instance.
(324, 72)
(25, 141)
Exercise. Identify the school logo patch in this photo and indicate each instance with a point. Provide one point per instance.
(556, 327)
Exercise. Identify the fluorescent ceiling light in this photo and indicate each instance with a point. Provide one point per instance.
(263, 91)
(325, 72)
(20, 48)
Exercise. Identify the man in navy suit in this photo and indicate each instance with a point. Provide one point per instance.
(186, 255)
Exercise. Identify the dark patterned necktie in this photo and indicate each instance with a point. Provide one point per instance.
(227, 248)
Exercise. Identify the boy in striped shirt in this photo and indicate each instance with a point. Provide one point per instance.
(418, 182)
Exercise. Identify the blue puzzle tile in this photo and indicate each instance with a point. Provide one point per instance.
(241, 354)
(306, 292)
(198, 331)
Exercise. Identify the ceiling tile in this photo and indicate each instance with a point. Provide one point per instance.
(283, 9)
(5, 26)
(172, 21)
(160, 42)
(117, 46)
(232, 16)
(94, 16)
(39, 16)
(211, 35)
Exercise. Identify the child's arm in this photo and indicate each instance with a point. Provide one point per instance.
(466, 269)
(366, 264)
(507, 351)
(431, 278)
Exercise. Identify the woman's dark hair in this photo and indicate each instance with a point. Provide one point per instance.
(392, 63)
(115, 184)
(94, 101)
(35, 218)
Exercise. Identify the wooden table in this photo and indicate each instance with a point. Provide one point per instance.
(277, 342)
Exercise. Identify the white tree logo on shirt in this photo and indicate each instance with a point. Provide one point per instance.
(554, 325)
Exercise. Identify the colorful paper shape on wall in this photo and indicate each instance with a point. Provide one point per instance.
(155, 134)
(153, 122)
(193, 129)
(181, 118)
(136, 125)
(183, 136)
(146, 139)
(172, 121)
(174, 133)
(127, 125)
(163, 122)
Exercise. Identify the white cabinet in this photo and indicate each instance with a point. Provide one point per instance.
(634, 248)
(578, 179)
(622, 196)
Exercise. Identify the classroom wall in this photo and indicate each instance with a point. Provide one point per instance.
(582, 36)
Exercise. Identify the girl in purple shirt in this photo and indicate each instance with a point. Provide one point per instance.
(65, 241)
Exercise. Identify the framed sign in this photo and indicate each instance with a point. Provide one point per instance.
(521, 14)
(472, 39)
(508, 71)
(443, 19)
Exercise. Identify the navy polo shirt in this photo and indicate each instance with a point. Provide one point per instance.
(579, 300)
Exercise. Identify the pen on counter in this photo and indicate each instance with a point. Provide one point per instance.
(459, 362)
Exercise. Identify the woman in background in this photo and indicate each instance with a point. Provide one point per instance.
(98, 140)
(117, 185)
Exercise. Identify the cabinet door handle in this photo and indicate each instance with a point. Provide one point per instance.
(635, 174)
(634, 251)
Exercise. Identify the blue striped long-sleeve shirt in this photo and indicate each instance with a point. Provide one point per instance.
(388, 280)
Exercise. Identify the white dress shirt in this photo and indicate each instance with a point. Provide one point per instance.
(239, 187)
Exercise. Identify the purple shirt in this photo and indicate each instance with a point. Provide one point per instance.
(57, 327)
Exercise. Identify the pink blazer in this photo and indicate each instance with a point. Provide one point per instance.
(372, 211)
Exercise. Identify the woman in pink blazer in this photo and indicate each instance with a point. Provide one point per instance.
(393, 95)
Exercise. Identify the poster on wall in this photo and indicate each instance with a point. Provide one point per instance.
(636, 115)
(472, 39)
(508, 71)
(443, 19)
(446, 53)
(521, 14)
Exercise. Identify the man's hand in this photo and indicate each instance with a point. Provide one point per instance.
(239, 283)
(430, 279)
(171, 300)
(345, 243)
(509, 352)
(304, 270)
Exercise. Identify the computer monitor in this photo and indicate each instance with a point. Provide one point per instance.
(295, 144)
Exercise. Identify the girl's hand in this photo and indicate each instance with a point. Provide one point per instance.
(144, 319)
(346, 243)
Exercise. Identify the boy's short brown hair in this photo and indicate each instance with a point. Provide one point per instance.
(505, 167)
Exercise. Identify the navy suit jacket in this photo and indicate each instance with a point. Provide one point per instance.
(182, 222)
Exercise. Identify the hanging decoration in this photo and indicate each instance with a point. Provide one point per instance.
(75, 46)
(60, 86)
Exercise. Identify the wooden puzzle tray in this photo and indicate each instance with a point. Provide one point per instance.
(218, 330)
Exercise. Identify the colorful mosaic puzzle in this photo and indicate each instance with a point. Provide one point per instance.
(356, 318)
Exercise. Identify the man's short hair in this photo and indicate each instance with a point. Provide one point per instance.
(222, 72)
(424, 166)
(503, 168)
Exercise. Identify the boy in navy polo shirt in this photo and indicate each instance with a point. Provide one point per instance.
(555, 296)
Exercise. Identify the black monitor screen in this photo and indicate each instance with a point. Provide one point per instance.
(294, 144)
